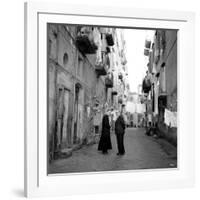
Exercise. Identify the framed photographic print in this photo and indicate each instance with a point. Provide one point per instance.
(109, 98)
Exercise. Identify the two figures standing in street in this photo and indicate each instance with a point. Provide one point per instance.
(105, 139)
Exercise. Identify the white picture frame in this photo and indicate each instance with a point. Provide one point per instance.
(37, 183)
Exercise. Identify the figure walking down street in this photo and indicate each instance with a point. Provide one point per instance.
(119, 131)
(105, 141)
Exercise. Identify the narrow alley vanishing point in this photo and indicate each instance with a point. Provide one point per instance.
(89, 75)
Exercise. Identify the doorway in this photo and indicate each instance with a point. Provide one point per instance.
(62, 133)
(77, 113)
(65, 142)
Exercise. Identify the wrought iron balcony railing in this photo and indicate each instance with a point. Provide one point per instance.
(146, 85)
(146, 52)
(147, 44)
(114, 92)
(109, 81)
(109, 39)
(85, 41)
(120, 76)
(100, 69)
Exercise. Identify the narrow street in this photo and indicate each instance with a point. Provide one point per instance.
(142, 152)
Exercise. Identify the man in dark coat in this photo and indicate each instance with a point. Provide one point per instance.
(105, 141)
(119, 131)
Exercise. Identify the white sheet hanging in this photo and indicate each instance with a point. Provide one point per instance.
(170, 118)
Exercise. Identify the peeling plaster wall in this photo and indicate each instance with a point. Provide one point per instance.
(64, 72)
(168, 82)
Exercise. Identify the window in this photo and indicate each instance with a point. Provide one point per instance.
(65, 59)
(80, 66)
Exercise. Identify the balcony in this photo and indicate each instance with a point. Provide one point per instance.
(120, 76)
(109, 39)
(101, 69)
(85, 41)
(146, 52)
(123, 60)
(120, 100)
(101, 66)
(150, 67)
(109, 81)
(156, 56)
(114, 92)
(146, 85)
(108, 50)
(147, 44)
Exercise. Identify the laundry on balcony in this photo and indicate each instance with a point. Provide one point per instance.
(85, 41)
(109, 39)
(146, 52)
(147, 44)
(109, 81)
(156, 55)
(120, 76)
(104, 44)
(162, 42)
(146, 85)
(101, 69)
(96, 36)
(108, 50)
(170, 118)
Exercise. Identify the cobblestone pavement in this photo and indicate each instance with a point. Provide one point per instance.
(142, 152)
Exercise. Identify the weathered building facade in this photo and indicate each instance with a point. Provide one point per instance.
(161, 81)
(85, 65)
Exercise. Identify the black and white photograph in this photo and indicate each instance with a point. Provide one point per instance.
(111, 98)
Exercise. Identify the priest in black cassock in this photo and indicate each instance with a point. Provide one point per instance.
(105, 141)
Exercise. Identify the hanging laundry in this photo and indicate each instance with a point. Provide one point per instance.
(104, 43)
(170, 118)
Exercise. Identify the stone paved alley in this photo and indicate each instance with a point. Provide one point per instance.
(142, 152)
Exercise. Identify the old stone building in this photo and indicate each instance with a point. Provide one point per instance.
(86, 75)
(161, 81)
